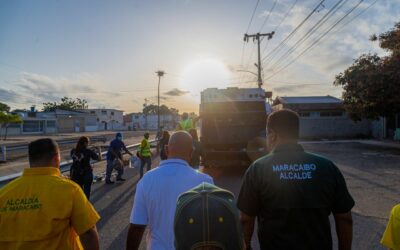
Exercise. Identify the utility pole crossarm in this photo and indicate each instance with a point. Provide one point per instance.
(257, 37)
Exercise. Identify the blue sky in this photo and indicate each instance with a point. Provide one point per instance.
(107, 51)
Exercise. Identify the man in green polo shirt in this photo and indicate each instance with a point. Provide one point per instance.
(292, 193)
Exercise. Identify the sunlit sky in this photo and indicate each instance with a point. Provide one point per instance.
(107, 52)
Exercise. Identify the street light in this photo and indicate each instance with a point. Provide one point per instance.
(159, 73)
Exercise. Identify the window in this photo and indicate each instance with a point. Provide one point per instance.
(251, 96)
(136, 117)
(93, 112)
(32, 126)
(304, 114)
(51, 124)
(112, 112)
(337, 113)
(331, 113)
(104, 112)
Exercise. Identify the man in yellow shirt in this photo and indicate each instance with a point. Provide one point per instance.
(42, 210)
(391, 237)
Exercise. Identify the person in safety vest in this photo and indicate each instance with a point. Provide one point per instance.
(145, 154)
(187, 123)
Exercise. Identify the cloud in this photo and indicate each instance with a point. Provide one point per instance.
(176, 92)
(32, 88)
(7, 95)
(336, 51)
(307, 90)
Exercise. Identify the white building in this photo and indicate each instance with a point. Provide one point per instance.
(139, 121)
(108, 119)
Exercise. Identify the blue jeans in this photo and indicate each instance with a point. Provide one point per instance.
(145, 161)
(110, 169)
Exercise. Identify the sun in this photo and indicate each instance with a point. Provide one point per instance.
(205, 73)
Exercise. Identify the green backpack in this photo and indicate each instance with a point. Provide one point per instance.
(206, 217)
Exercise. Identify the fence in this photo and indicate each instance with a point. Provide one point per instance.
(65, 166)
(7, 149)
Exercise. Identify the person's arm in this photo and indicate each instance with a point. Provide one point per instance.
(90, 239)
(126, 149)
(247, 222)
(344, 230)
(83, 219)
(138, 219)
(135, 235)
(94, 156)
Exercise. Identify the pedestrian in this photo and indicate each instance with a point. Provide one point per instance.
(187, 123)
(293, 192)
(115, 153)
(157, 192)
(197, 150)
(391, 237)
(43, 210)
(145, 154)
(163, 143)
(81, 169)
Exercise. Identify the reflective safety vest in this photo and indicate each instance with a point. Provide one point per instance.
(145, 148)
(186, 124)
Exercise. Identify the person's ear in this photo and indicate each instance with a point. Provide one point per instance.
(56, 160)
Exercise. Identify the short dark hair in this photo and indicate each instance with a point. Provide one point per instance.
(285, 123)
(42, 151)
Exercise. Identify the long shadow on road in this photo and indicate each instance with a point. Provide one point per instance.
(116, 204)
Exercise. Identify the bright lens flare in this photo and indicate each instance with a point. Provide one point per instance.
(206, 73)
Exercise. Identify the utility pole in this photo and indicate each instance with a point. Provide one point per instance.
(159, 73)
(257, 37)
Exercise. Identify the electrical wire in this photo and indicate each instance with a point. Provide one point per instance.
(269, 14)
(280, 45)
(317, 41)
(252, 16)
(279, 25)
(309, 33)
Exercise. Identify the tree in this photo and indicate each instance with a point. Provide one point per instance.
(371, 86)
(4, 107)
(153, 110)
(66, 104)
(7, 119)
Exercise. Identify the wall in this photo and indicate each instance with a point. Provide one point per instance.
(10, 131)
(333, 127)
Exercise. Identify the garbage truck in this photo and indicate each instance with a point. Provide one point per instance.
(233, 125)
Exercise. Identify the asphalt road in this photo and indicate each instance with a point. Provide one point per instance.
(372, 174)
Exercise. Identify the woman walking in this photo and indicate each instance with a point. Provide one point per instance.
(163, 142)
(81, 169)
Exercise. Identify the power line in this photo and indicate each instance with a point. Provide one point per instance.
(267, 17)
(252, 16)
(356, 16)
(310, 32)
(280, 45)
(317, 41)
(283, 19)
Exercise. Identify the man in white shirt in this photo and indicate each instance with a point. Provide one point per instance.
(157, 192)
